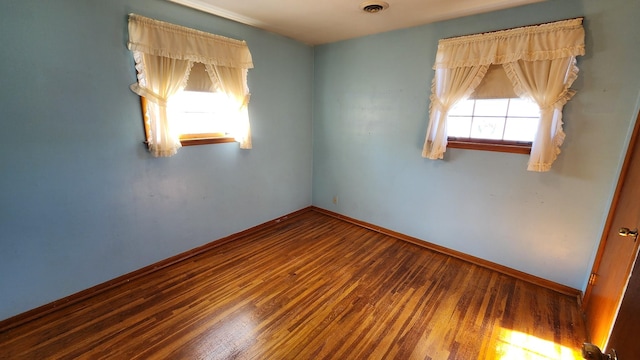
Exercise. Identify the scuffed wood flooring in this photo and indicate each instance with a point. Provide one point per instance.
(311, 287)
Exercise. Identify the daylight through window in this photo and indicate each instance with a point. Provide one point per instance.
(509, 120)
(198, 115)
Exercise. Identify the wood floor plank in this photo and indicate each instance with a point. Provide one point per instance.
(311, 287)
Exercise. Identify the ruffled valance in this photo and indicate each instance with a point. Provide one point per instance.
(550, 41)
(164, 39)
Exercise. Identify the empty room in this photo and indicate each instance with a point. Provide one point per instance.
(342, 179)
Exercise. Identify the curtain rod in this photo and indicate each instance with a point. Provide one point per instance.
(516, 27)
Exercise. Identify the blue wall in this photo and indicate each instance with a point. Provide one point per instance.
(82, 202)
(370, 118)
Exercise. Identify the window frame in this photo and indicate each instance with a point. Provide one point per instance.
(515, 147)
(497, 145)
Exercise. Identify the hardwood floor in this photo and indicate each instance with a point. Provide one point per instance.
(311, 287)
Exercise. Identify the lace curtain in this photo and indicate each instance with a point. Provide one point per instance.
(540, 62)
(165, 53)
(233, 81)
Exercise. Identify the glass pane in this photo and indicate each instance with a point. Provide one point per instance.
(194, 112)
(462, 108)
(521, 129)
(199, 123)
(459, 126)
(522, 107)
(192, 101)
(491, 107)
(486, 119)
(487, 128)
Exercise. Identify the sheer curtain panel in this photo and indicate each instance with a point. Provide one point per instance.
(540, 62)
(165, 53)
(449, 86)
(233, 82)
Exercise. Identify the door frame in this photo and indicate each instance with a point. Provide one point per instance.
(633, 142)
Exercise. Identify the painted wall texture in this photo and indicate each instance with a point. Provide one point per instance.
(370, 118)
(81, 200)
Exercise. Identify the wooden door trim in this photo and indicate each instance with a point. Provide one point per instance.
(633, 142)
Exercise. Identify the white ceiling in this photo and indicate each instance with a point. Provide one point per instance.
(317, 22)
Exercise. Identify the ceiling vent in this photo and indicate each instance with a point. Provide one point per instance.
(373, 6)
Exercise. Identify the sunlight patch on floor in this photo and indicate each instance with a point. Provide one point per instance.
(515, 345)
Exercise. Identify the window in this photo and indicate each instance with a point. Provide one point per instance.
(201, 115)
(198, 113)
(193, 85)
(507, 125)
(198, 117)
(538, 62)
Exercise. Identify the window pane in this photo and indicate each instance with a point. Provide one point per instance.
(195, 112)
(491, 107)
(487, 128)
(462, 108)
(522, 107)
(521, 129)
(487, 119)
(192, 101)
(199, 123)
(459, 126)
